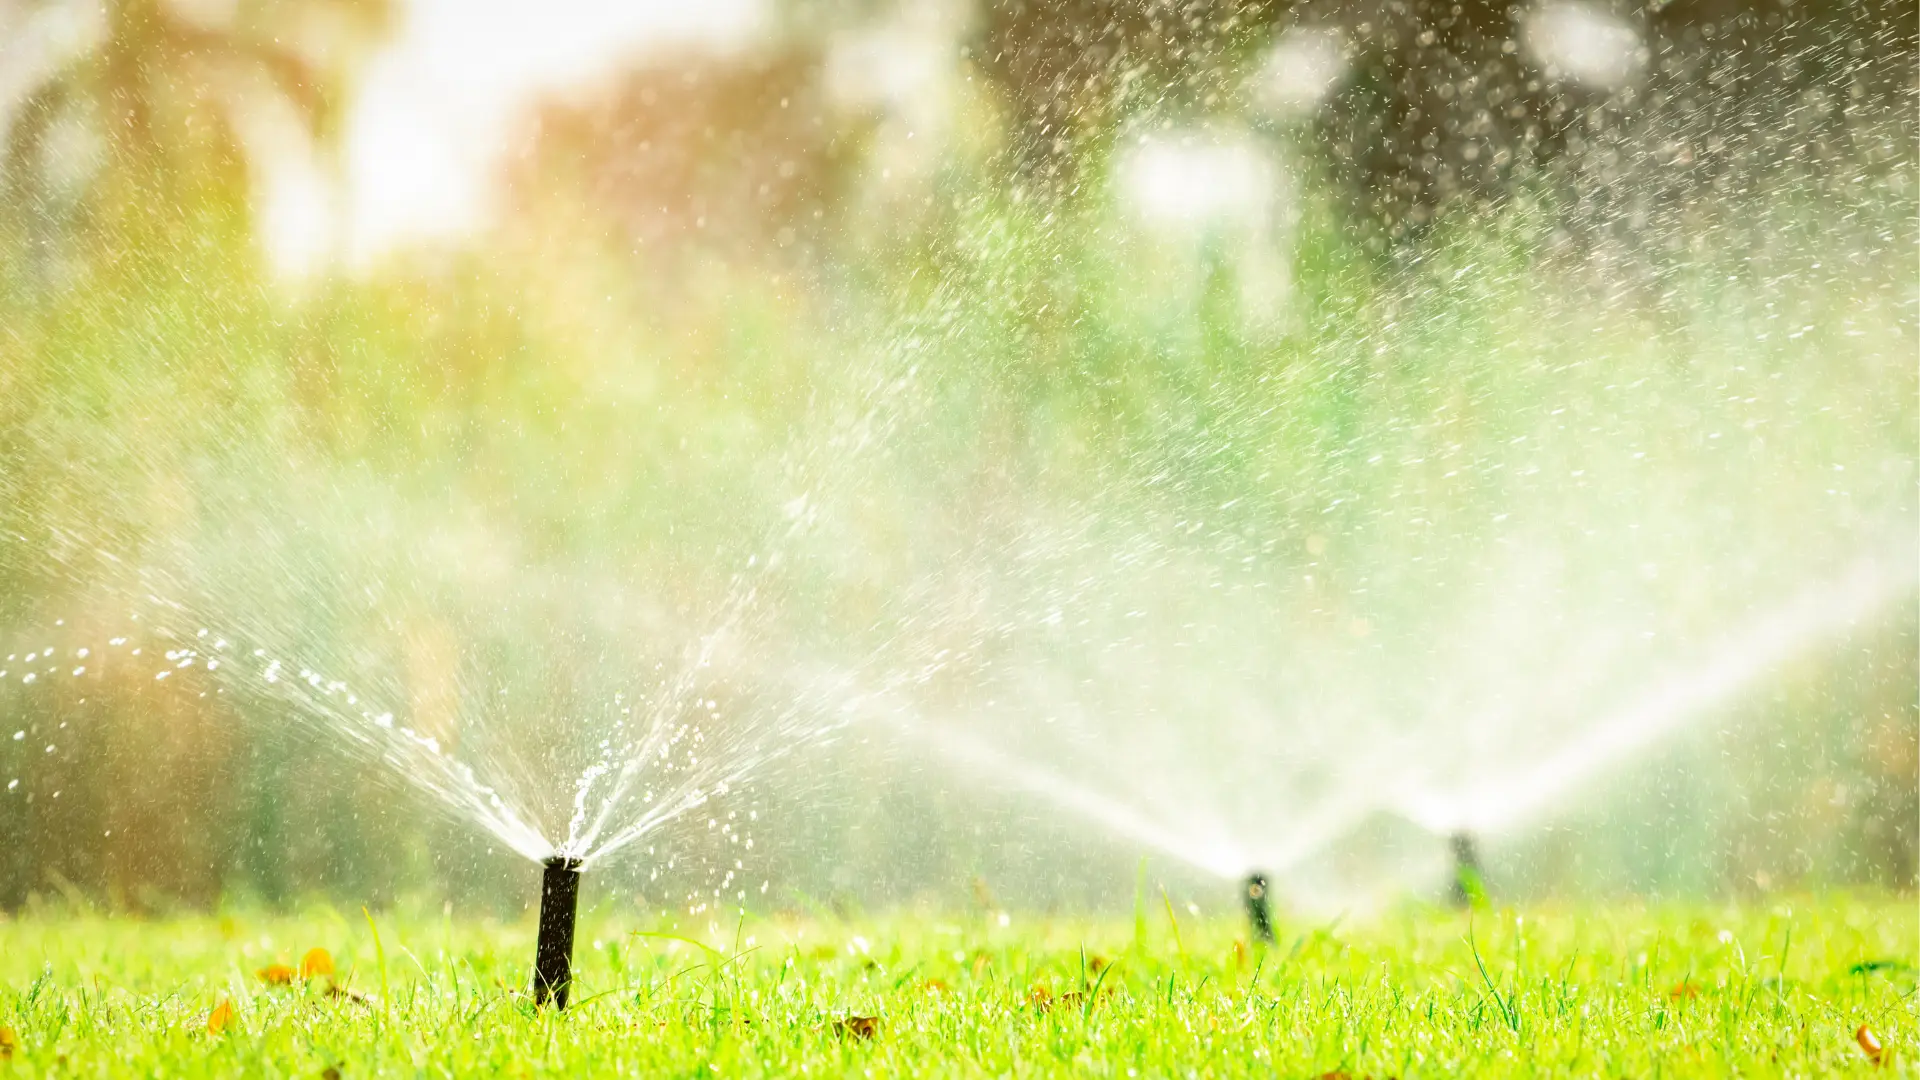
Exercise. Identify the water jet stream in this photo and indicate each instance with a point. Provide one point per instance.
(1495, 804)
(1508, 801)
(1213, 855)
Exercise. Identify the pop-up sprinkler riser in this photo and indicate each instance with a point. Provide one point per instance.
(1469, 879)
(1259, 909)
(553, 955)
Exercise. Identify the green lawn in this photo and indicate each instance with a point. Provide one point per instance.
(1777, 987)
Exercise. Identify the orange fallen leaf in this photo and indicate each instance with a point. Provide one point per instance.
(938, 986)
(1096, 964)
(276, 974)
(316, 962)
(1683, 990)
(221, 1018)
(1041, 997)
(858, 1027)
(1869, 1044)
(9, 1042)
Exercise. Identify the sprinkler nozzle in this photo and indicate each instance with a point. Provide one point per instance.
(553, 955)
(1259, 910)
(1469, 880)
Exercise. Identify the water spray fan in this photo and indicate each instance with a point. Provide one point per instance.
(553, 953)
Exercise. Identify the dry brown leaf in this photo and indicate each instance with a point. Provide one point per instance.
(335, 990)
(276, 974)
(316, 962)
(1096, 964)
(331, 1072)
(1870, 1045)
(938, 986)
(1683, 990)
(221, 1018)
(858, 1027)
(1044, 999)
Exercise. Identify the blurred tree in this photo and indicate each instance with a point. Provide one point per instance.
(1071, 71)
(742, 154)
(160, 97)
(1440, 104)
(124, 219)
(1441, 100)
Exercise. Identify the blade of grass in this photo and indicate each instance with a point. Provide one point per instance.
(1178, 947)
(1507, 1011)
(380, 956)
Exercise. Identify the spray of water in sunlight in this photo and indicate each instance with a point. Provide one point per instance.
(1113, 466)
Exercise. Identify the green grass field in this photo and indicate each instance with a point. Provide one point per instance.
(1774, 988)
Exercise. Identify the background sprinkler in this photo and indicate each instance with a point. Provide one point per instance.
(1259, 914)
(553, 955)
(1469, 880)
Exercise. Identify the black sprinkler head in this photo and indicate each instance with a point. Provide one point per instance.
(553, 955)
(1469, 880)
(1259, 910)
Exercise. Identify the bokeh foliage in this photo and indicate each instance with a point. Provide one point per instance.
(602, 394)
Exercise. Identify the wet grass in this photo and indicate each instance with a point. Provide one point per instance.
(1766, 988)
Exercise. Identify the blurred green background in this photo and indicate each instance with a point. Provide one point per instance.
(1139, 260)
